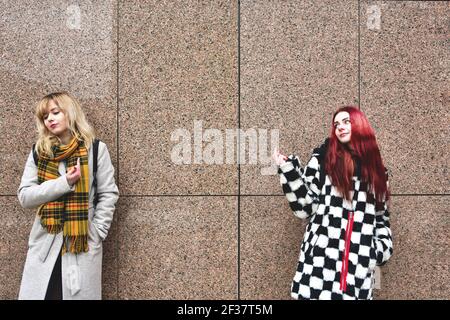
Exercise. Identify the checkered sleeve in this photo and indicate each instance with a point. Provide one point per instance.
(383, 234)
(300, 185)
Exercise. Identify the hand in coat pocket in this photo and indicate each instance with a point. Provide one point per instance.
(93, 234)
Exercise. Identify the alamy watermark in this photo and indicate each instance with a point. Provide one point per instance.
(73, 21)
(231, 146)
(374, 17)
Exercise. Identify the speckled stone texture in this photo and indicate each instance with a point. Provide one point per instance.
(420, 266)
(177, 64)
(111, 254)
(404, 90)
(16, 226)
(143, 69)
(419, 269)
(270, 243)
(178, 248)
(49, 46)
(17, 223)
(299, 63)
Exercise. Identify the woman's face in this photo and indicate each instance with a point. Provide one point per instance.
(343, 127)
(55, 120)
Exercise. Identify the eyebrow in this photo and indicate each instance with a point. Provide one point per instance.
(51, 109)
(342, 120)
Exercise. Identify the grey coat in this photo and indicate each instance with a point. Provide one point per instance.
(82, 273)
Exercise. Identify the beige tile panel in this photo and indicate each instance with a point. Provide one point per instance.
(17, 223)
(419, 269)
(299, 63)
(178, 65)
(178, 248)
(49, 46)
(16, 226)
(404, 90)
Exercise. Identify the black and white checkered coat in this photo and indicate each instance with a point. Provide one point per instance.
(318, 274)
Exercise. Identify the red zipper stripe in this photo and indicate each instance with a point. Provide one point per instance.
(348, 235)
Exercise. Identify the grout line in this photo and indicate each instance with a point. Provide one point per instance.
(117, 147)
(238, 144)
(248, 195)
(359, 55)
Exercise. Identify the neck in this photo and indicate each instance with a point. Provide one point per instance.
(65, 137)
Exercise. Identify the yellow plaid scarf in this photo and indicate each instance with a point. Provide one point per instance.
(69, 213)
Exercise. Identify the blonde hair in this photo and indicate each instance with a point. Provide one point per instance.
(77, 123)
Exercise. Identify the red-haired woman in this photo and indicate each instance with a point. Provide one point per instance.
(343, 190)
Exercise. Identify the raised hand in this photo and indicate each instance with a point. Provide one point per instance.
(74, 174)
(278, 158)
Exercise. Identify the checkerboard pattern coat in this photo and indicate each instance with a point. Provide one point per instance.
(344, 240)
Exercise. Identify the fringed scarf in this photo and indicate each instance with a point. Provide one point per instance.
(69, 213)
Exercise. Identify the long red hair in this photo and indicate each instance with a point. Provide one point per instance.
(340, 158)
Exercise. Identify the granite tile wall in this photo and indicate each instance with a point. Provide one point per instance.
(150, 74)
(49, 46)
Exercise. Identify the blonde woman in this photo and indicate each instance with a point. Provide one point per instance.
(74, 214)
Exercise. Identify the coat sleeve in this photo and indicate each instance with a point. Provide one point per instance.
(31, 194)
(301, 185)
(107, 191)
(383, 235)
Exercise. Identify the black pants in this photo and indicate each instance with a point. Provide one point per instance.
(54, 289)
